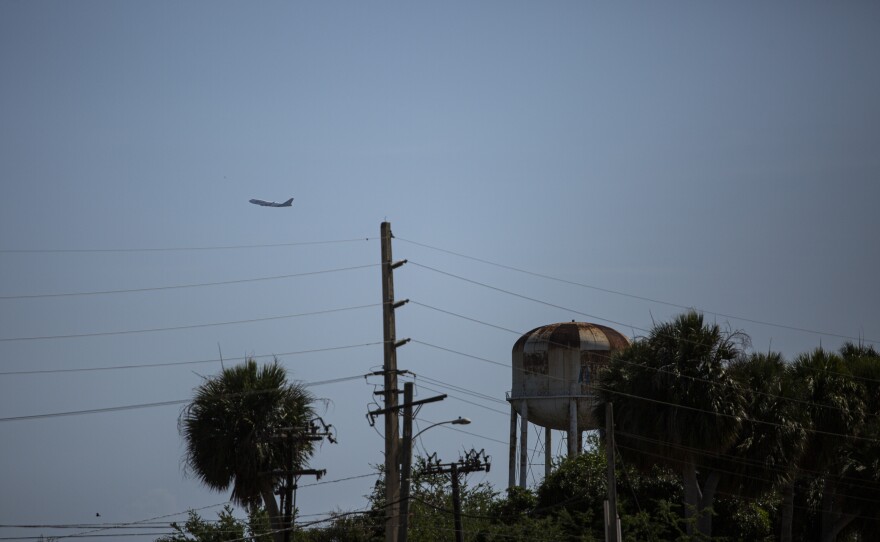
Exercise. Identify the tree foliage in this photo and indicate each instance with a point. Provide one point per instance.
(228, 430)
(713, 443)
(675, 404)
(226, 528)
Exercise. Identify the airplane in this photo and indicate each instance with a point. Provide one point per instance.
(264, 203)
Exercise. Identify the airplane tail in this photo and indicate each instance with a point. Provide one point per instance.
(288, 203)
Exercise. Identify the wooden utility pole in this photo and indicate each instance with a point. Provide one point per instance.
(612, 524)
(392, 437)
(456, 503)
(406, 473)
(472, 461)
(292, 438)
(407, 459)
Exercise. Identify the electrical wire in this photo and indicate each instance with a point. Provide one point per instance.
(154, 518)
(182, 286)
(193, 326)
(686, 407)
(413, 302)
(180, 363)
(521, 296)
(93, 411)
(107, 535)
(180, 249)
(464, 400)
(156, 404)
(460, 389)
(451, 351)
(638, 297)
(608, 356)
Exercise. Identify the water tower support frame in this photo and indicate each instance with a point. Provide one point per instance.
(511, 478)
(524, 443)
(548, 452)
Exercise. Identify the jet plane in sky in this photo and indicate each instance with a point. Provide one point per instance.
(264, 203)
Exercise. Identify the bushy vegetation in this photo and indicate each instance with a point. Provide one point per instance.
(714, 444)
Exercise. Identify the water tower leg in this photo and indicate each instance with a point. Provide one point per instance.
(580, 442)
(524, 444)
(548, 452)
(572, 427)
(511, 478)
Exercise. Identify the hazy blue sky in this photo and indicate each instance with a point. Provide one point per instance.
(708, 155)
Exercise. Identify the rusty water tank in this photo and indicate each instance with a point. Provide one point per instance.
(556, 363)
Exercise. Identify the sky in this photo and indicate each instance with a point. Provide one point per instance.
(648, 157)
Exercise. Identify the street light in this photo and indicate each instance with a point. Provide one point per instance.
(457, 421)
(408, 439)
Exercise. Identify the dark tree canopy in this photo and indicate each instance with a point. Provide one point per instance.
(228, 430)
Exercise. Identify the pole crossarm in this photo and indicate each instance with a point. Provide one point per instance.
(374, 413)
(317, 473)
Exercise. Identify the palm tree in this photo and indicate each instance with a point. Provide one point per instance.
(228, 428)
(836, 407)
(860, 480)
(676, 406)
(773, 437)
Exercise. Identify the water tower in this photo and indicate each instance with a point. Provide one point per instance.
(553, 371)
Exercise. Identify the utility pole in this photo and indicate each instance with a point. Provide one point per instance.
(456, 503)
(406, 474)
(407, 460)
(472, 461)
(291, 437)
(612, 523)
(392, 436)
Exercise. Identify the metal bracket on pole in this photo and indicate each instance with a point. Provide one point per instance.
(374, 413)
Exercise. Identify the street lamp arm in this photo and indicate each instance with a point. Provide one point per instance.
(457, 421)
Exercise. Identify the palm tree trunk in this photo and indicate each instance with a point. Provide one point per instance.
(787, 512)
(704, 521)
(692, 496)
(271, 506)
(833, 520)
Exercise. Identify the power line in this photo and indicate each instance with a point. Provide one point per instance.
(181, 286)
(356, 477)
(597, 387)
(179, 249)
(443, 348)
(463, 317)
(106, 535)
(152, 519)
(639, 297)
(502, 328)
(156, 404)
(94, 411)
(459, 388)
(179, 363)
(521, 296)
(193, 326)
(464, 400)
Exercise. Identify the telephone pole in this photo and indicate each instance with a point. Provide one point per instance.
(612, 523)
(292, 437)
(472, 461)
(392, 436)
(407, 460)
